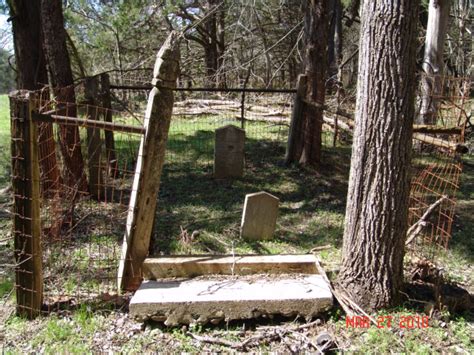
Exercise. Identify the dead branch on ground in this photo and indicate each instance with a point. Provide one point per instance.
(416, 229)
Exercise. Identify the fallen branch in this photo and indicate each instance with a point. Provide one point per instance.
(416, 228)
(350, 307)
(322, 247)
(335, 293)
(269, 334)
(441, 143)
(215, 341)
(340, 124)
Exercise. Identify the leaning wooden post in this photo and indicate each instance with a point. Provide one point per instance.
(151, 156)
(94, 143)
(26, 210)
(296, 121)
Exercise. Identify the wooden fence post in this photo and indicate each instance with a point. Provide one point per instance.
(151, 156)
(296, 120)
(26, 188)
(106, 99)
(94, 143)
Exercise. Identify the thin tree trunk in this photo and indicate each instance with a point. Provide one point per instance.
(431, 83)
(268, 59)
(335, 39)
(62, 81)
(213, 43)
(31, 69)
(377, 203)
(222, 78)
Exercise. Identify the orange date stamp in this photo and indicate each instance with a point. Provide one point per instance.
(387, 321)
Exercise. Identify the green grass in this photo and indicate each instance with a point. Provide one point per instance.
(311, 214)
(6, 281)
(4, 141)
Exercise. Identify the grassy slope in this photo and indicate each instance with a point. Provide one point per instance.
(5, 279)
(83, 330)
(4, 141)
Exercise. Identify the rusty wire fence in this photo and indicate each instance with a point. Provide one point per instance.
(74, 164)
(74, 198)
(437, 164)
(73, 167)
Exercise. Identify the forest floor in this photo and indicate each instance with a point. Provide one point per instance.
(311, 215)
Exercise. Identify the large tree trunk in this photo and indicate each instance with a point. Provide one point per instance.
(29, 56)
(59, 66)
(31, 75)
(307, 141)
(431, 83)
(377, 202)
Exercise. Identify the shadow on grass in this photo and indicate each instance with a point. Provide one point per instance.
(192, 202)
(463, 229)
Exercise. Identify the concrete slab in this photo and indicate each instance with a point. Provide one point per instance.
(202, 301)
(189, 266)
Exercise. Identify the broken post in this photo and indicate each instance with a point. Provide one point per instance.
(151, 156)
(26, 210)
(296, 121)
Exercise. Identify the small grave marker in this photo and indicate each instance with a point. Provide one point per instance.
(229, 152)
(259, 216)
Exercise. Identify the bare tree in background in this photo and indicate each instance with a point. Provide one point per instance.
(438, 16)
(209, 33)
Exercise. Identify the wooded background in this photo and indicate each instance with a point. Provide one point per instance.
(228, 42)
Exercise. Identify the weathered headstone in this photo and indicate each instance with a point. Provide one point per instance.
(229, 152)
(259, 216)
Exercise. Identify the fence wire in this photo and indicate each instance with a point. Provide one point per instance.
(87, 152)
(436, 168)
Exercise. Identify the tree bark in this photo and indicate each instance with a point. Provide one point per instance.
(29, 56)
(62, 81)
(377, 203)
(307, 150)
(431, 83)
(31, 75)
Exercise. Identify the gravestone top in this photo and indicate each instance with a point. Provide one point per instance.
(259, 216)
(229, 152)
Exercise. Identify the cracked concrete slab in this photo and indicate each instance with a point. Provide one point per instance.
(201, 301)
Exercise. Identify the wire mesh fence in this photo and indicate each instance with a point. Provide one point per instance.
(84, 155)
(76, 207)
(69, 228)
(436, 163)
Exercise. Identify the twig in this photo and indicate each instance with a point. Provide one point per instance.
(300, 327)
(415, 229)
(6, 239)
(77, 223)
(322, 247)
(335, 293)
(217, 341)
(269, 334)
(307, 341)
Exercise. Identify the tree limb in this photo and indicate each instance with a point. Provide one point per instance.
(416, 229)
